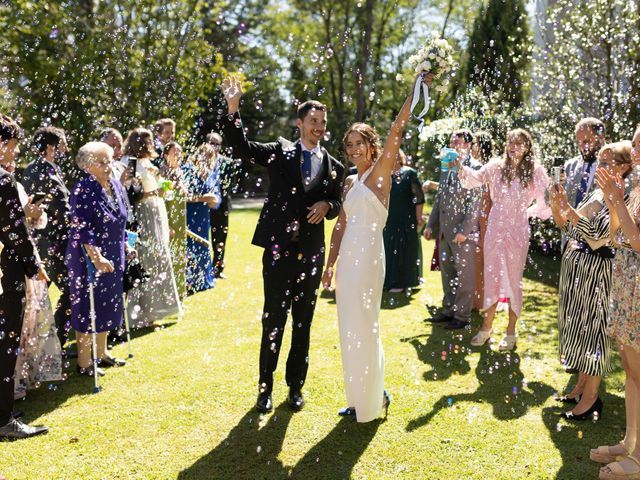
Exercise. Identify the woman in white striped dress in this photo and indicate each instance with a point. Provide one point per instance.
(585, 284)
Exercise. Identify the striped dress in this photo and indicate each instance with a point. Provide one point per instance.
(585, 284)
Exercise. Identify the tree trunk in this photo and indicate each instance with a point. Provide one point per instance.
(361, 72)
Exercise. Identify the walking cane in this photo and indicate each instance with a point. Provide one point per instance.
(91, 276)
(126, 324)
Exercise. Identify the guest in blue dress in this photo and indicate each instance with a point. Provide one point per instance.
(98, 218)
(203, 194)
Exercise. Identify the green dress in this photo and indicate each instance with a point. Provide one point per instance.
(402, 247)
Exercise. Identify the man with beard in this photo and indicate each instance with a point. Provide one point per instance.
(45, 175)
(580, 171)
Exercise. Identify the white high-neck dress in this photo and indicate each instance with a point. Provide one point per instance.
(359, 282)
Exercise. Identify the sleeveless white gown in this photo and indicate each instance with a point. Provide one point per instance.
(359, 282)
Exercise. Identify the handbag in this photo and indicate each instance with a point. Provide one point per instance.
(134, 274)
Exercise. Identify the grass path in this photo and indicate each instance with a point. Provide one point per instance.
(183, 408)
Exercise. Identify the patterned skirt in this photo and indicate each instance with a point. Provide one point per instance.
(624, 311)
(583, 312)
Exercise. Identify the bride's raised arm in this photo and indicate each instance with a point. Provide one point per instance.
(380, 178)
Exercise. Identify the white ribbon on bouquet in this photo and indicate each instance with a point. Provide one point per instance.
(418, 87)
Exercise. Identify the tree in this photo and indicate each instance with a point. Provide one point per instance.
(83, 64)
(499, 52)
(589, 65)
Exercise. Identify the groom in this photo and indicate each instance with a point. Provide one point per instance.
(305, 186)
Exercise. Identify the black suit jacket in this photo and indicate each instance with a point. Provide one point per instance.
(18, 258)
(284, 214)
(41, 176)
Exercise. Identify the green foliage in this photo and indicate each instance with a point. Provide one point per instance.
(84, 65)
(499, 51)
(589, 65)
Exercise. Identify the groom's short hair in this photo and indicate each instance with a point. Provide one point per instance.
(595, 124)
(306, 107)
(465, 133)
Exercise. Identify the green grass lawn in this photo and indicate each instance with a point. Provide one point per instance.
(184, 406)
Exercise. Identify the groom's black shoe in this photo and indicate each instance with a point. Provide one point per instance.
(296, 401)
(264, 403)
(440, 318)
(456, 324)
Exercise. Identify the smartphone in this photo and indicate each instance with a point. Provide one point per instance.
(38, 197)
(133, 165)
(556, 172)
(558, 161)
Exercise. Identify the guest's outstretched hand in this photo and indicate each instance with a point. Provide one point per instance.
(232, 90)
(612, 186)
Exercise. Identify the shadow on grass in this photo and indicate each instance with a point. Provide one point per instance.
(430, 352)
(574, 439)
(501, 385)
(249, 451)
(540, 268)
(336, 454)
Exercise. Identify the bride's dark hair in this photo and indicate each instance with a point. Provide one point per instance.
(369, 134)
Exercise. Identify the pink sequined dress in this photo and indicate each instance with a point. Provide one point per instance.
(507, 239)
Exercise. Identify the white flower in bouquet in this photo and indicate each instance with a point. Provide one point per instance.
(435, 56)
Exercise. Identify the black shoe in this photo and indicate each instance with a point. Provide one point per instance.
(17, 414)
(295, 400)
(264, 403)
(88, 371)
(440, 318)
(456, 324)
(15, 429)
(68, 353)
(221, 276)
(566, 399)
(347, 412)
(111, 362)
(594, 411)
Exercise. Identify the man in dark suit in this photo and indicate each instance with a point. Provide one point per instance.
(44, 175)
(454, 218)
(226, 177)
(18, 258)
(305, 186)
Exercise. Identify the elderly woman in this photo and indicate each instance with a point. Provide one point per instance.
(97, 235)
(203, 194)
(157, 298)
(585, 284)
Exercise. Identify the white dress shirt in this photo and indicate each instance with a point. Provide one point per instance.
(316, 159)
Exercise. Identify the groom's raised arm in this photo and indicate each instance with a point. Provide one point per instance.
(260, 153)
(233, 131)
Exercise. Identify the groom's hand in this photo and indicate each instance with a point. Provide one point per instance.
(232, 90)
(317, 211)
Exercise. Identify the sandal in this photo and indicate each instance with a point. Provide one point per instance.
(481, 338)
(605, 454)
(617, 470)
(507, 343)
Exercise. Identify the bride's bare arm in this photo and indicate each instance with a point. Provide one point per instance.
(336, 239)
(379, 180)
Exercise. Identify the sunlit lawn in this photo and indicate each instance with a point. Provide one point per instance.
(184, 406)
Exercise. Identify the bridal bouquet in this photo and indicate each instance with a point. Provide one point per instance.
(436, 57)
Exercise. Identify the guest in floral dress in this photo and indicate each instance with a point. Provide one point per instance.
(514, 181)
(624, 458)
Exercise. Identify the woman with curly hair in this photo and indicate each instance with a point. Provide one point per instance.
(514, 182)
(357, 245)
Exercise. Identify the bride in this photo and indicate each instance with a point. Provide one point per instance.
(357, 242)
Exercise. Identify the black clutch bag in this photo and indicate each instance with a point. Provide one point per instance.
(134, 274)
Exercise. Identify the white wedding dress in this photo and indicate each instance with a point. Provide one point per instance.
(359, 281)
